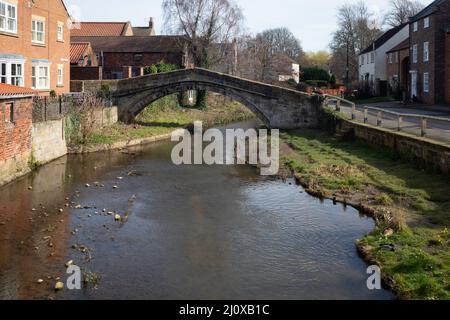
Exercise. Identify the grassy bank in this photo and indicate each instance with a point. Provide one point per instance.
(411, 207)
(164, 116)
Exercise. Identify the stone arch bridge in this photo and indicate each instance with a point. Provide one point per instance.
(277, 107)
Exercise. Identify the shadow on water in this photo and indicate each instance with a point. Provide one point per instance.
(187, 232)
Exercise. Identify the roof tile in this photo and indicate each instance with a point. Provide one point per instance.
(9, 90)
(159, 44)
(98, 29)
(77, 50)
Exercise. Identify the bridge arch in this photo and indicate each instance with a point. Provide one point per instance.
(145, 98)
(276, 106)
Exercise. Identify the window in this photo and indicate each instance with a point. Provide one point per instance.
(372, 57)
(426, 52)
(8, 17)
(426, 82)
(362, 59)
(9, 113)
(38, 31)
(60, 32)
(16, 74)
(426, 22)
(368, 61)
(60, 79)
(390, 57)
(415, 26)
(40, 76)
(11, 72)
(3, 74)
(414, 53)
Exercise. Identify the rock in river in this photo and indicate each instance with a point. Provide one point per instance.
(59, 286)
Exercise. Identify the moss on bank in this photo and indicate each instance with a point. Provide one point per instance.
(415, 204)
(164, 116)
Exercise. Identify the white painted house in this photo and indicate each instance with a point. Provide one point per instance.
(372, 60)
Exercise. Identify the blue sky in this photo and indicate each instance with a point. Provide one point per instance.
(312, 21)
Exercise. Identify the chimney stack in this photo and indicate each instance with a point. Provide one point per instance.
(150, 23)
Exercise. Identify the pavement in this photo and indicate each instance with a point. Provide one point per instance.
(438, 130)
(413, 108)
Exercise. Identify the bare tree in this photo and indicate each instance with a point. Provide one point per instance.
(205, 23)
(208, 26)
(401, 10)
(259, 52)
(357, 29)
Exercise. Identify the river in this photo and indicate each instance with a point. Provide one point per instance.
(187, 232)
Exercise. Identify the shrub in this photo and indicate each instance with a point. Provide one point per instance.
(316, 74)
(160, 67)
(151, 69)
(105, 91)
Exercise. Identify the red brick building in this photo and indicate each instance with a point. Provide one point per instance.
(397, 64)
(125, 56)
(35, 44)
(15, 131)
(429, 54)
(122, 50)
(83, 62)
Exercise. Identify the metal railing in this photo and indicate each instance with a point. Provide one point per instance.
(437, 128)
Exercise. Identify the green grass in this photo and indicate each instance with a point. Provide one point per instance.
(164, 116)
(417, 201)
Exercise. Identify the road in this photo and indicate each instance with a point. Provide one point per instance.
(437, 129)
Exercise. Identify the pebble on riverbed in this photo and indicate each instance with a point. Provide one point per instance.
(69, 263)
(59, 286)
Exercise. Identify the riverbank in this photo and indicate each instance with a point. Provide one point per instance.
(158, 121)
(411, 207)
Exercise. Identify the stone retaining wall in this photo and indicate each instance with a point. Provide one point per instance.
(426, 153)
(49, 142)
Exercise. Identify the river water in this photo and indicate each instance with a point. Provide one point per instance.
(187, 232)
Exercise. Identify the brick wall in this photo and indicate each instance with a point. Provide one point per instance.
(15, 138)
(114, 62)
(85, 73)
(447, 68)
(442, 19)
(399, 69)
(419, 37)
(435, 35)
